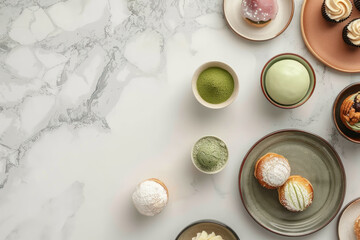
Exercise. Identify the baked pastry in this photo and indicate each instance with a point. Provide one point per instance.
(350, 112)
(150, 197)
(357, 228)
(205, 236)
(272, 170)
(296, 194)
(351, 33)
(259, 13)
(336, 10)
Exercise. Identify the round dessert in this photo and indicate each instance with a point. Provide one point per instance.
(215, 85)
(272, 170)
(296, 194)
(357, 228)
(150, 197)
(210, 154)
(351, 33)
(336, 10)
(287, 82)
(357, 4)
(350, 112)
(259, 13)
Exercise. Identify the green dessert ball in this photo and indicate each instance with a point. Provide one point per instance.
(210, 154)
(287, 82)
(215, 85)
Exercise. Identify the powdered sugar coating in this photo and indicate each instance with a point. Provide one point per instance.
(259, 10)
(150, 198)
(275, 171)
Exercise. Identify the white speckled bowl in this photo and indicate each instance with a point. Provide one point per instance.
(220, 65)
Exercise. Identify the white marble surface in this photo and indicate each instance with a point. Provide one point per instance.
(95, 97)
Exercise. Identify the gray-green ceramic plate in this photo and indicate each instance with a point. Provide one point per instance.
(309, 156)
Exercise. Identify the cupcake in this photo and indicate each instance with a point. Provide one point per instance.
(296, 194)
(336, 10)
(150, 197)
(350, 112)
(351, 33)
(259, 13)
(272, 170)
(357, 228)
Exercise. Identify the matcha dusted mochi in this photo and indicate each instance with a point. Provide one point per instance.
(287, 82)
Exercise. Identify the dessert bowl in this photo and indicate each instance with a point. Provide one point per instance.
(240, 27)
(221, 65)
(288, 56)
(203, 170)
(343, 130)
(209, 226)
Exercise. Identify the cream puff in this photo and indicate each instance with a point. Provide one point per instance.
(296, 194)
(272, 170)
(357, 228)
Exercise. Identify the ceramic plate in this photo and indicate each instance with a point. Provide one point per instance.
(343, 130)
(316, 31)
(309, 156)
(272, 30)
(209, 226)
(347, 220)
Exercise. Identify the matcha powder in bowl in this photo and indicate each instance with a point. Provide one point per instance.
(215, 85)
(210, 154)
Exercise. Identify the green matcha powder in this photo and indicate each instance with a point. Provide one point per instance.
(210, 154)
(215, 85)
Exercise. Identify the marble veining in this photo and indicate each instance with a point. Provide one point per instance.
(95, 97)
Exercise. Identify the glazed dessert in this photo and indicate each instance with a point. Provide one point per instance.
(272, 170)
(150, 197)
(210, 154)
(357, 228)
(296, 194)
(287, 82)
(351, 33)
(205, 236)
(215, 85)
(350, 112)
(336, 10)
(259, 13)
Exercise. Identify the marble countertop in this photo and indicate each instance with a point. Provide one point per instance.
(95, 97)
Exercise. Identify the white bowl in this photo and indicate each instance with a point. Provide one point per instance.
(220, 65)
(213, 172)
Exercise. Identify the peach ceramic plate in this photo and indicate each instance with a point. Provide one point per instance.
(324, 39)
(270, 31)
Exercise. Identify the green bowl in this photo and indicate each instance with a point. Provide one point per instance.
(301, 60)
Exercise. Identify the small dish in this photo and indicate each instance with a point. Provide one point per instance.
(277, 26)
(295, 57)
(224, 66)
(316, 31)
(208, 172)
(209, 226)
(343, 130)
(345, 228)
(309, 156)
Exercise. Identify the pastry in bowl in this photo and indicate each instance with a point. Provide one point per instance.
(357, 228)
(296, 194)
(350, 112)
(272, 170)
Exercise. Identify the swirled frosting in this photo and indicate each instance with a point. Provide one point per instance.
(354, 32)
(338, 9)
